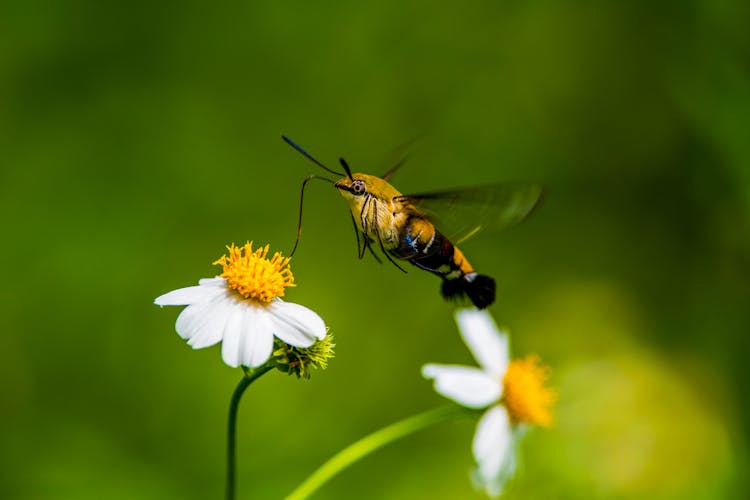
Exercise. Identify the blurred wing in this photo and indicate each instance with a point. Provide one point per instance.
(463, 213)
(397, 157)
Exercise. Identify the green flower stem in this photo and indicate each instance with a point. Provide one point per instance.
(251, 374)
(369, 444)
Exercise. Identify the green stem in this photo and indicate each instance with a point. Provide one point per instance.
(369, 444)
(250, 376)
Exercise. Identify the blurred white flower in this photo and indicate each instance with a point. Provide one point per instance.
(243, 310)
(514, 392)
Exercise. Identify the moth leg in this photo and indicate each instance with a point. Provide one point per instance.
(369, 247)
(360, 249)
(365, 227)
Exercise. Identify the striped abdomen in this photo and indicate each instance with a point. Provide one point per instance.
(425, 247)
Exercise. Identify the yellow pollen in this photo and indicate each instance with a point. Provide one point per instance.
(254, 276)
(524, 393)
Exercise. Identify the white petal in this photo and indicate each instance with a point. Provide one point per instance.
(493, 449)
(189, 320)
(295, 324)
(209, 328)
(488, 344)
(216, 281)
(194, 316)
(256, 343)
(192, 319)
(189, 295)
(233, 331)
(468, 386)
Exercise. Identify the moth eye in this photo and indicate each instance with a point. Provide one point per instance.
(358, 187)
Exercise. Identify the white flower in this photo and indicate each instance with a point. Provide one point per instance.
(513, 391)
(242, 309)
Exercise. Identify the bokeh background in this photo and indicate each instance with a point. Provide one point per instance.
(138, 138)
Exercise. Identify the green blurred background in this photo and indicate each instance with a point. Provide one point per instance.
(138, 138)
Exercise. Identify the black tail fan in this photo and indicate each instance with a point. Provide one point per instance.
(479, 288)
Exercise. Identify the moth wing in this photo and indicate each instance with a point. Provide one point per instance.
(397, 157)
(464, 213)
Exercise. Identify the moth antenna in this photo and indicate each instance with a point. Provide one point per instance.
(301, 200)
(346, 168)
(308, 155)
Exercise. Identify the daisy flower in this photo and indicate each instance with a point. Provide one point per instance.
(513, 392)
(242, 308)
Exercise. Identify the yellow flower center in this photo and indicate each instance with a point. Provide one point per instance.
(254, 276)
(524, 393)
